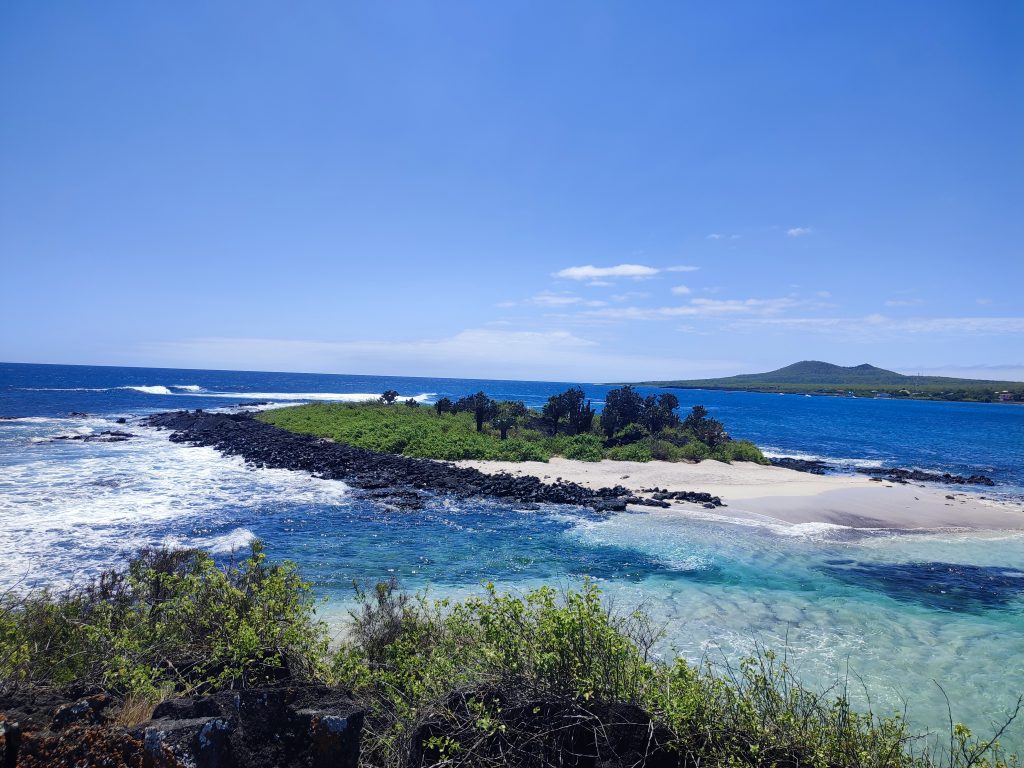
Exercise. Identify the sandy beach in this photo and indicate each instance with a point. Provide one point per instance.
(785, 495)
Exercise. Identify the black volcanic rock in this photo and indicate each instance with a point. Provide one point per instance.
(814, 466)
(395, 479)
(918, 476)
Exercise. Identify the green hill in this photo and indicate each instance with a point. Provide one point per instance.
(816, 377)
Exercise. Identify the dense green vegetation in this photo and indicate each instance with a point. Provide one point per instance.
(172, 622)
(814, 377)
(497, 679)
(631, 428)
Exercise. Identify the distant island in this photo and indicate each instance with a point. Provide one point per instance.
(814, 377)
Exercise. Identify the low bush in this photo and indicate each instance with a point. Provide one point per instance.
(632, 452)
(494, 680)
(173, 621)
(505, 680)
(450, 436)
(739, 450)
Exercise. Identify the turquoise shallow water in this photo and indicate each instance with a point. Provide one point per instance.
(891, 612)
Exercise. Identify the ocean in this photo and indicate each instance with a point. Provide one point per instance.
(890, 614)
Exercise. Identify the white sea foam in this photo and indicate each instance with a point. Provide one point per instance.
(102, 501)
(188, 387)
(779, 453)
(156, 389)
(339, 397)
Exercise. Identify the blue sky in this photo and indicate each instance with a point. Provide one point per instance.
(570, 191)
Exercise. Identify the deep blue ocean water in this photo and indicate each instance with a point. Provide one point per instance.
(898, 609)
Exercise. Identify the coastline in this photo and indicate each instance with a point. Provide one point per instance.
(781, 495)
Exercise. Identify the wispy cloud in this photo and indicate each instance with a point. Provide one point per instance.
(681, 290)
(983, 301)
(699, 308)
(904, 302)
(549, 299)
(479, 353)
(715, 236)
(590, 272)
(682, 268)
(876, 326)
(799, 231)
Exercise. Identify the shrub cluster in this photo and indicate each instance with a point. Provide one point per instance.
(502, 680)
(477, 427)
(173, 621)
(497, 679)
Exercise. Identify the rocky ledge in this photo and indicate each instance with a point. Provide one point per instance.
(891, 474)
(310, 726)
(398, 480)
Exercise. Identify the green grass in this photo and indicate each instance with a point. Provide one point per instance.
(497, 679)
(423, 433)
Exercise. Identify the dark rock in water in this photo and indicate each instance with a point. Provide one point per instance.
(77, 415)
(404, 478)
(814, 466)
(99, 437)
(945, 586)
(307, 726)
(121, 420)
(252, 403)
(10, 418)
(918, 476)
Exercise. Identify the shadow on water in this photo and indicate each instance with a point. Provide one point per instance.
(940, 586)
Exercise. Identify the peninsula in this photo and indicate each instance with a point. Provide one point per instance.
(814, 377)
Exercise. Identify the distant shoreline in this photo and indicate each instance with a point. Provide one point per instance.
(803, 393)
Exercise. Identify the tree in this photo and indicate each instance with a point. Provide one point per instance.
(508, 416)
(480, 405)
(711, 432)
(554, 410)
(659, 412)
(444, 405)
(622, 406)
(389, 397)
(412, 402)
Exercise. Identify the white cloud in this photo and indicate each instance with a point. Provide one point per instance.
(681, 290)
(714, 236)
(600, 284)
(682, 268)
(549, 299)
(824, 295)
(505, 304)
(799, 231)
(477, 353)
(875, 326)
(700, 308)
(904, 302)
(590, 272)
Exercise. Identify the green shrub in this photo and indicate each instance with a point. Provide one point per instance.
(449, 684)
(585, 447)
(739, 450)
(634, 452)
(695, 451)
(629, 434)
(173, 620)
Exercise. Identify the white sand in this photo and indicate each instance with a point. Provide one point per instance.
(785, 495)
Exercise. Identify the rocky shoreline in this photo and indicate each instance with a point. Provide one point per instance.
(889, 474)
(389, 478)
